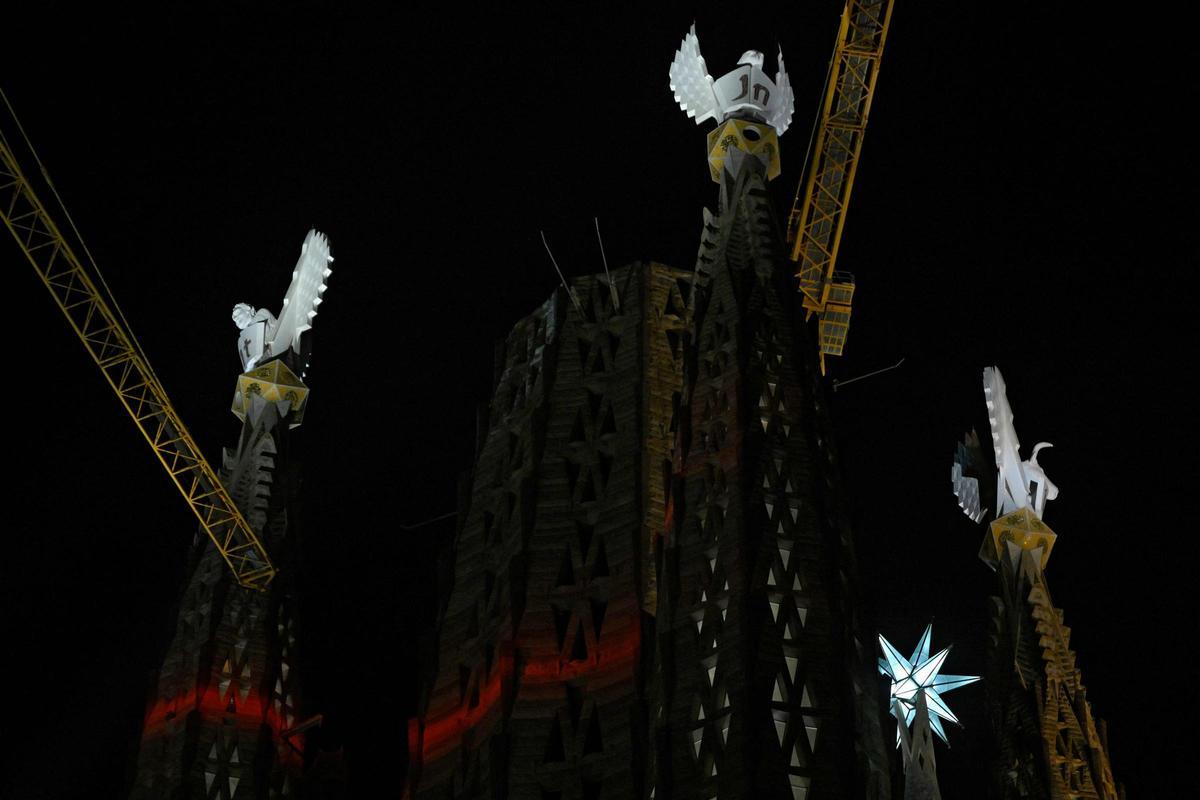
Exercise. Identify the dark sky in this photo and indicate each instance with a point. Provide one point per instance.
(1020, 202)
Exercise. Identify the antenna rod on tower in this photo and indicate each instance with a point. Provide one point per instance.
(838, 384)
(616, 301)
(570, 291)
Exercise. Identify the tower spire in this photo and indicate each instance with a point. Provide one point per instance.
(916, 746)
(226, 710)
(1047, 742)
(746, 554)
(916, 691)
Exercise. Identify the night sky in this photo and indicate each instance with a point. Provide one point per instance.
(1020, 202)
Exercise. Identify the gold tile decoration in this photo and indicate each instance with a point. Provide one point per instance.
(756, 139)
(275, 383)
(1023, 528)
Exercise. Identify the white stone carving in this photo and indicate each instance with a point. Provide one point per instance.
(1019, 484)
(262, 334)
(744, 92)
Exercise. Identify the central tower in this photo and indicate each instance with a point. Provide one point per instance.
(761, 683)
(652, 573)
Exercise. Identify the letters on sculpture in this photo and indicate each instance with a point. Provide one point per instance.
(745, 92)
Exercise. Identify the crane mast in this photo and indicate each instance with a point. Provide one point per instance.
(125, 367)
(819, 210)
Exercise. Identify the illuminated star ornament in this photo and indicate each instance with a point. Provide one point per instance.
(920, 672)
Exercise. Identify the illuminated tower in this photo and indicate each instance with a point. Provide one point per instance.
(1047, 743)
(539, 686)
(762, 683)
(223, 722)
(652, 573)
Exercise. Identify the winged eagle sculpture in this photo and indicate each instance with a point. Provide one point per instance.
(1019, 483)
(262, 334)
(744, 92)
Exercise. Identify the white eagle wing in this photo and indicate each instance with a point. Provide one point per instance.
(966, 489)
(691, 82)
(783, 103)
(965, 477)
(1011, 490)
(304, 295)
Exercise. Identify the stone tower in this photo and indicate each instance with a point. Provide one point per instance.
(224, 720)
(653, 579)
(1047, 743)
(761, 686)
(544, 644)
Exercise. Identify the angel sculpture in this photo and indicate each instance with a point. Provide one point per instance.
(745, 92)
(1019, 484)
(262, 334)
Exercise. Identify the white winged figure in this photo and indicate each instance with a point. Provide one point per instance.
(746, 91)
(262, 334)
(1019, 484)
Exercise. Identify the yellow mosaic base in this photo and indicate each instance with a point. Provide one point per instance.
(275, 383)
(754, 138)
(1021, 527)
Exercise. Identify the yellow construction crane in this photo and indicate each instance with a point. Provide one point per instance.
(106, 337)
(819, 210)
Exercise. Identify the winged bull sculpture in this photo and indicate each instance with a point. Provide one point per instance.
(1019, 483)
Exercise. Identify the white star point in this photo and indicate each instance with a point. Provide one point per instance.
(920, 673)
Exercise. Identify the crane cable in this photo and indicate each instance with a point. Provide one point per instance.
(110, 298)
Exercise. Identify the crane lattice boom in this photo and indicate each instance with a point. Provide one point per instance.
(127, 371)
(819, 211)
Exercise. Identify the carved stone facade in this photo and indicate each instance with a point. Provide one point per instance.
(228, 687)
(652, 590)
(1048, 745)
(539, 685)
(762, 678)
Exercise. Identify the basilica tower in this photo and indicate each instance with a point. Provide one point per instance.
(1046, 741)
(225, 721)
